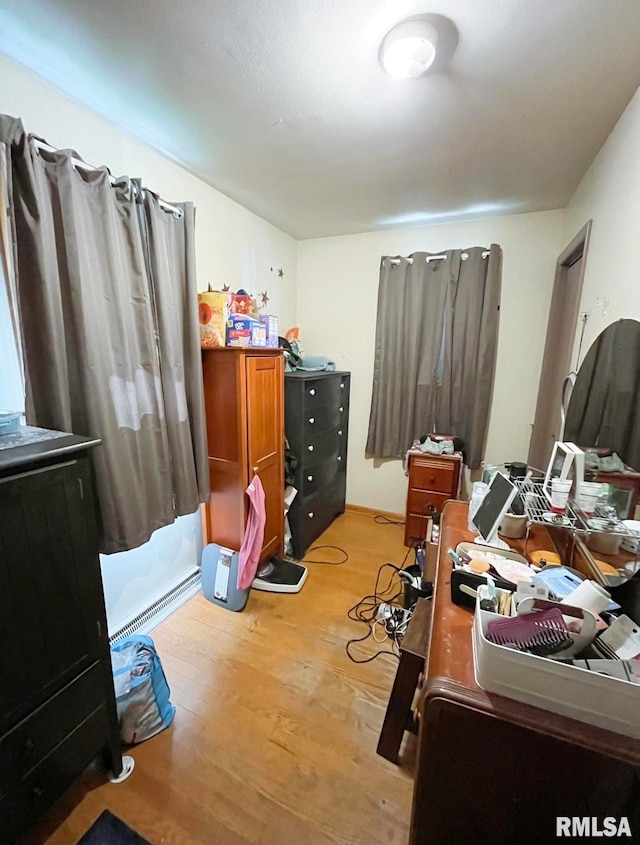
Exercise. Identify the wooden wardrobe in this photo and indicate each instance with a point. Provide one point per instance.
(244, 403)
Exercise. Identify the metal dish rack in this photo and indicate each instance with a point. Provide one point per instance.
(538, 512)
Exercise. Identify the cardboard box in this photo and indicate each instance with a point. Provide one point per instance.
(271, 324)
(241, 304)
(245, 331)
(213, 312)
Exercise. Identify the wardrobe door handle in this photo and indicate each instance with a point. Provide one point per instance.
(339, 457)
(312, 420)
(340, 432)
(341, 386)
(309, 478)
(310, 514)
(341, 408)
(312, 392)
(310, 448)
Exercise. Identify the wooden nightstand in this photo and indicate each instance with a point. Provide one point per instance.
(432, 480)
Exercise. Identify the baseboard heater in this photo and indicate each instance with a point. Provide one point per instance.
(163, 607)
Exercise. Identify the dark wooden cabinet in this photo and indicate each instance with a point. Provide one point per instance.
(57, 705)
(317, 428)
(245, 434)
(433, 479)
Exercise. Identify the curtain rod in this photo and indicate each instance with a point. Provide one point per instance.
(429, 258)
(77, 162)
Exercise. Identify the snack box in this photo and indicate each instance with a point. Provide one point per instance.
(270, 322)
(213, 311)
(245, 331)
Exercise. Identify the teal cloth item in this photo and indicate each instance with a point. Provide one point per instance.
(313, 363)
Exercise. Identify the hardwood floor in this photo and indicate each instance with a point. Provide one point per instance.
(275, 731)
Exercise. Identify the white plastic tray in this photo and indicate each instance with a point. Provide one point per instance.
(567, 690)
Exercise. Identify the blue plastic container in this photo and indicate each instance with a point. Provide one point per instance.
(9, 422)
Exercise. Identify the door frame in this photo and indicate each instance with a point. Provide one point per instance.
(565, 313)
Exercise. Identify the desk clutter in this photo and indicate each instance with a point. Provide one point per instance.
(546, 635)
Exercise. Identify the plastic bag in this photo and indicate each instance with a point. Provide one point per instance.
(142, 691)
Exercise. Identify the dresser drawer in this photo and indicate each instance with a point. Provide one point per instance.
(313, 478)
(308, 518)
(317, 447)
(440, 476)
(322, 418)
(32, 795)
(29, 741)
(329, 390)
(418, 502)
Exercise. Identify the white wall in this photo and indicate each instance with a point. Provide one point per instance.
(609, 195)
(233, 246)
(337, 298)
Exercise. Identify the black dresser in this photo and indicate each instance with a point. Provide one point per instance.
(316, 426)
(57, 705)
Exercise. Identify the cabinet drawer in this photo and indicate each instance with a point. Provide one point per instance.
(322, 418)
(317, 447)
(310, 517)
(329, 390)
(440, 476)
(313, 478)
(418, 502)
(32, 795)
(29, 741)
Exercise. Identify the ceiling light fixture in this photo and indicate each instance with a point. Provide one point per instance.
(409, 49)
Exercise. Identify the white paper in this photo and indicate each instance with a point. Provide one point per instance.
(623, 637)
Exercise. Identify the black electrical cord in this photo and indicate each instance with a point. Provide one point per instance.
(326, 562)
(365, 611)
(384, 520)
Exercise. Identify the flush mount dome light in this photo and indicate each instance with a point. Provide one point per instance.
(409, 49)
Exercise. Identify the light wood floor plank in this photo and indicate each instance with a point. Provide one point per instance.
(275, 732)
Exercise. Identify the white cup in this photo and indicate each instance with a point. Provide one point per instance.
(589, 596)
(560, 490)
(588, 492)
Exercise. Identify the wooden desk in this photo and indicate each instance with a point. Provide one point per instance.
(492, 770)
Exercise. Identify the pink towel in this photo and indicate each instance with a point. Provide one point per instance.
(253, 539)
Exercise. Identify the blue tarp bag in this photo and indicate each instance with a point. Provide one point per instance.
(142, 691)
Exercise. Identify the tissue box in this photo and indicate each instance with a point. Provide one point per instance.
(213, 311)
(270, 322)
(245, 331)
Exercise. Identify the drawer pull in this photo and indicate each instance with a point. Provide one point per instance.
(341, 408)
(340, 432)
(432, 478)
(37, 792)
(310, 448)
(312, 420)
(309, 478)
(29, 746)
(310, 514)
(312, 392)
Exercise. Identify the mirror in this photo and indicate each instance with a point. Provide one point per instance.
(603, 417)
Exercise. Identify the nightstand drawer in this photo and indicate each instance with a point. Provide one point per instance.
(418, 502)
(437, 475)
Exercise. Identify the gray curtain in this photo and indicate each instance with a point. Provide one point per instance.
(411, 299)
(92, 358)
(436, 344)
(171, 258)
(469, 349)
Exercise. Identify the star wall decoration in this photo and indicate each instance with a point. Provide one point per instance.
(280, 272)
(225, 288)
(264, 299)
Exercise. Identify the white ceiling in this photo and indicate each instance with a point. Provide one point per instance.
(283, 106)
